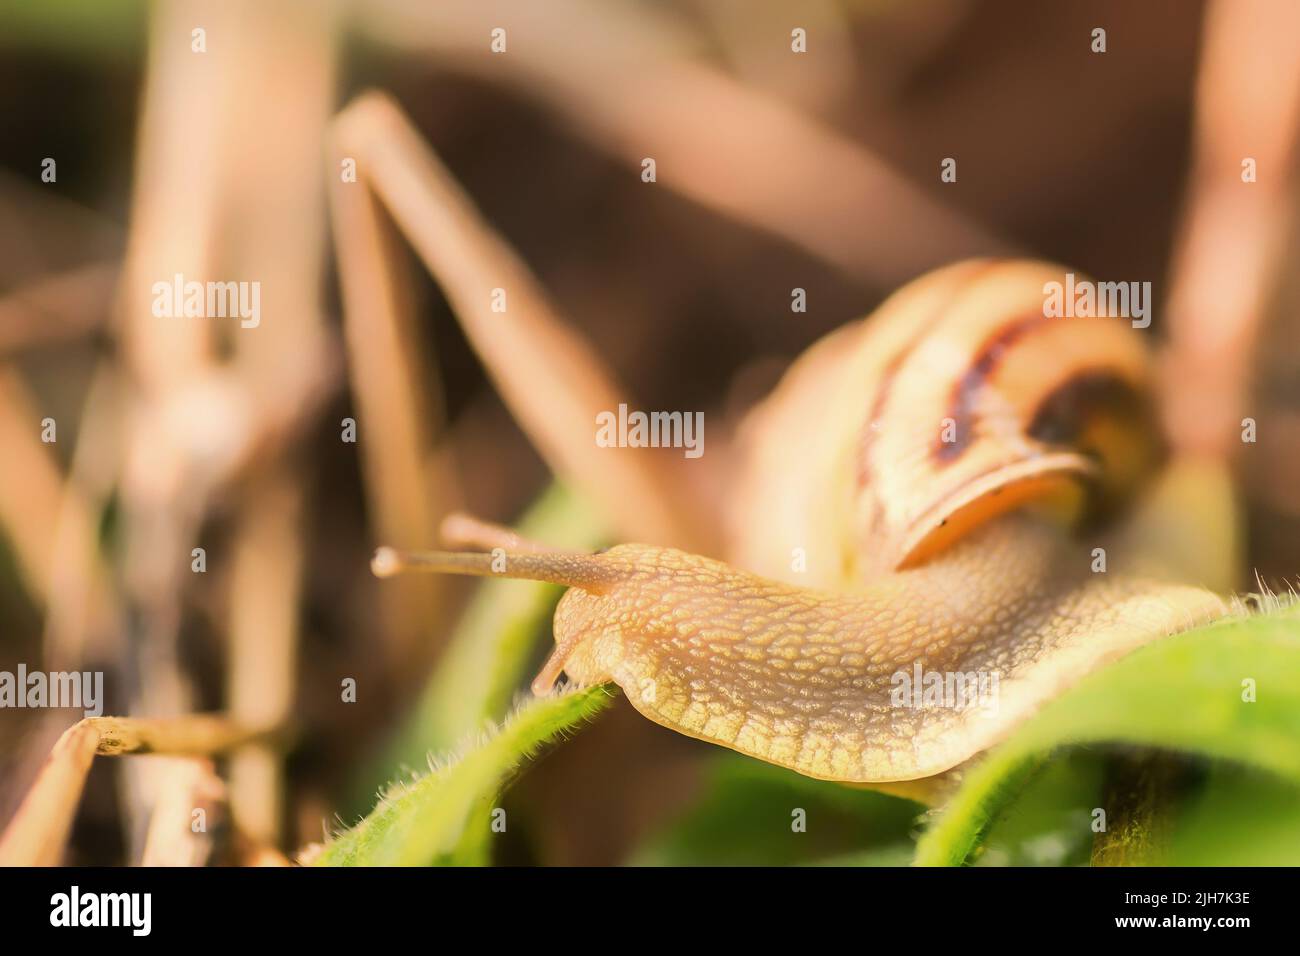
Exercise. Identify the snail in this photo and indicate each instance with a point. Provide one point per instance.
(949, 468)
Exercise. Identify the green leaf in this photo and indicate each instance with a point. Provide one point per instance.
(1240, 817)
(1050, 823)
(444, 817)
(745, 817)
(1183, 693)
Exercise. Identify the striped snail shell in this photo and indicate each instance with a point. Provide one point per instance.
(957, 401)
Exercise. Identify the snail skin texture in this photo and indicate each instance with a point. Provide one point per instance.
(949, 467)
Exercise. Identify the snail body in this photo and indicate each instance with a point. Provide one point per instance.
(922, 493)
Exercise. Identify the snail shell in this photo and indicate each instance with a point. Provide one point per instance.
(958, 401)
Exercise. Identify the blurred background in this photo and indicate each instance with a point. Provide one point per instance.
(775, 171)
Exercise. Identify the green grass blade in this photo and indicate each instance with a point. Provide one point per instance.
(1183, 693)
(443, 817)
